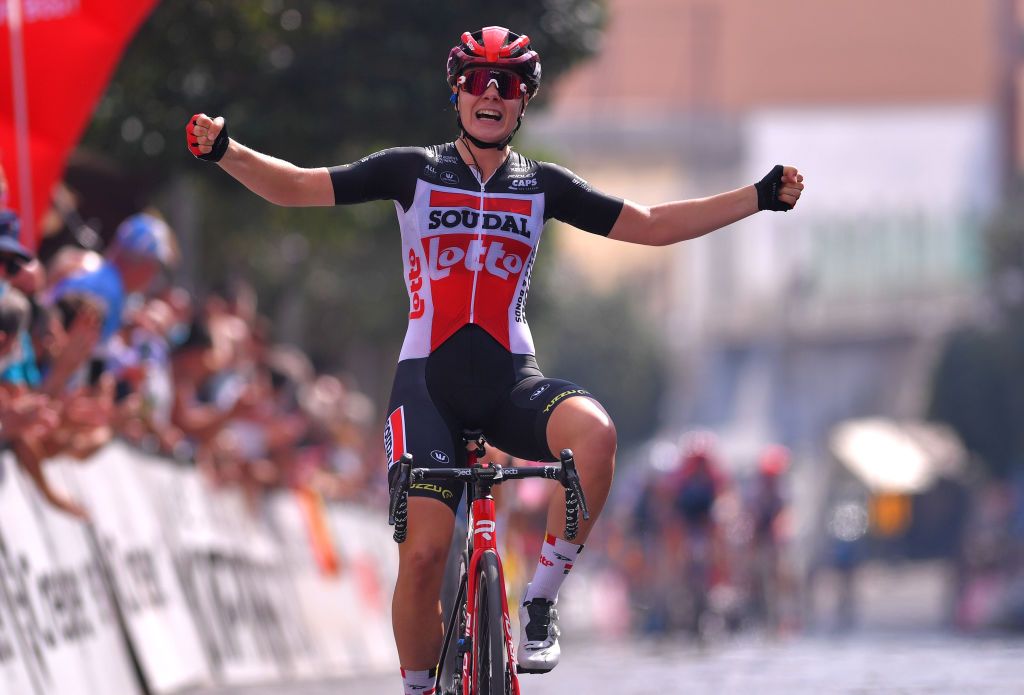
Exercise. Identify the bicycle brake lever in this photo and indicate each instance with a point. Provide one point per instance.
(571, 481)
(575, 501)
(577, 487)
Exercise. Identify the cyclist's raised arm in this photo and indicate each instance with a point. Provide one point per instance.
(275, 180)
(664, 224)
(573, 201)
(385, 175)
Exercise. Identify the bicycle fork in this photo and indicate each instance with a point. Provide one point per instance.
(485, 540)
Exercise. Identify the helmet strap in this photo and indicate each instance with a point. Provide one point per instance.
(490, 145)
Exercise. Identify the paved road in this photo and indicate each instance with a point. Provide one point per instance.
(889, 663)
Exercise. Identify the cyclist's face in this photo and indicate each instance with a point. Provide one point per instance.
(488, 117)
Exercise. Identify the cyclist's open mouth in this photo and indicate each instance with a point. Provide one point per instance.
(489, 115)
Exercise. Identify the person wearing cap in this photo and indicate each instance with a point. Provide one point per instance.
(25, 417)
(142, 246)
(18, 269)
(13, 254)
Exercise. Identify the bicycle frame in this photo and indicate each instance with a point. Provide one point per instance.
(484, 538)
(482, 541)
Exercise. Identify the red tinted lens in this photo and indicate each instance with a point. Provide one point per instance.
(476, 83)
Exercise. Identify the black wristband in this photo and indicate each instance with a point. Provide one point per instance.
(220, 146)
(768, 191)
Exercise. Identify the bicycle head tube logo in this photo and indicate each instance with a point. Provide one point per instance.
(440, 456)
(486, 528)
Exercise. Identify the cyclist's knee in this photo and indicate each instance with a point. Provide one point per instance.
(581, 424)
(603, 436)
(424, 560)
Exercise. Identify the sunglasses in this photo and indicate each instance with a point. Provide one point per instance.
(510, 85)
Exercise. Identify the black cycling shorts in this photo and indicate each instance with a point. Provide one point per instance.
(470, 382)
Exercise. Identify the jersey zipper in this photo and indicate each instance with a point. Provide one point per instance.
(479, 241)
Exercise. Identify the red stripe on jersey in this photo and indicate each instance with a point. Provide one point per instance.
(444, 199)
(396, 421)
(516, 206)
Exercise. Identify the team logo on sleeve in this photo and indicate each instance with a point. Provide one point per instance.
(536, 394)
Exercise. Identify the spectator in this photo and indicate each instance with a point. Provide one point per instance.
(194, 364)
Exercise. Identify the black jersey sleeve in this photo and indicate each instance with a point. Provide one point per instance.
(572, 200)
(385, 175)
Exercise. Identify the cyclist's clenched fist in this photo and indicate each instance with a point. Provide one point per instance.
(791, 185)
(779, 189)
(207, 138)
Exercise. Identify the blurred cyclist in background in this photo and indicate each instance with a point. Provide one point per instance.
(767, 510)
(699, 484)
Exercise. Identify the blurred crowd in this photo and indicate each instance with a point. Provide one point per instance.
(98, 344)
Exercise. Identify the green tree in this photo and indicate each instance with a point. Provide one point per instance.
(311, 81)
(317, 82)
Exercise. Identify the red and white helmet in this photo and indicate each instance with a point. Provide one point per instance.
(496, 47)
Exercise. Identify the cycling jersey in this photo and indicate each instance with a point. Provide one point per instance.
(468, 246)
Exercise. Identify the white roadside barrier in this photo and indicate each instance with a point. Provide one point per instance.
(207, 593)
(60, 626)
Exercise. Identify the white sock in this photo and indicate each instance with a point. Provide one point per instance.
(556, 559)
(419, 682)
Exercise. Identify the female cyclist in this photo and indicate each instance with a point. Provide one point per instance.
(471, 213)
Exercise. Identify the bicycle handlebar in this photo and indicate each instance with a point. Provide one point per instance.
(490, 474)
(565, 473)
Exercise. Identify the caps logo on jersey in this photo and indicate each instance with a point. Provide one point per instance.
(394, 436)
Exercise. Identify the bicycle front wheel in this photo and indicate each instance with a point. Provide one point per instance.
(490, 654)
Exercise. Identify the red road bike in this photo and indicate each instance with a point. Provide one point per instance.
(482, 660)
